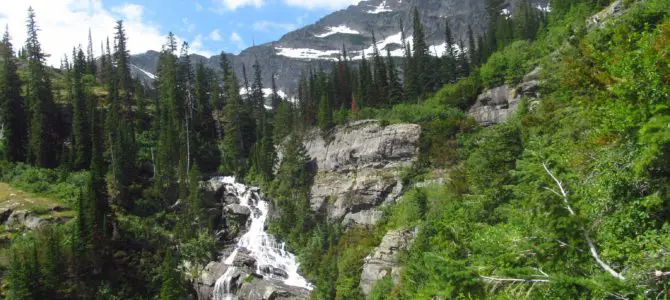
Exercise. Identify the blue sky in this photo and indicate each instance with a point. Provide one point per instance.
(209, 26)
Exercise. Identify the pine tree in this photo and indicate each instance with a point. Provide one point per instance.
(91, 67)
(381, 82)
(80, 116)
(283, 124)
(472, 48)
(275, 99)
(43, 134)
(420, 56)
(395, 93)
(12, 106)
(204, 127)
(232, 147)
(325, 118)
(449, 59)
(171, 287)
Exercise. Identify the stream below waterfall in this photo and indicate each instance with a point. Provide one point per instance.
(270, 255)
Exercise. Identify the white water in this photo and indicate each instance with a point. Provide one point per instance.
(261, 246)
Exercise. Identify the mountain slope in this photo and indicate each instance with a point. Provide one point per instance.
(315, 46)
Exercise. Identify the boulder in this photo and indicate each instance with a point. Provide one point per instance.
(275, 272)
(24, 218)
(358, 168)
(496, 105)
(238, 210)
(204, 285)
(599, 20)
(243, 260)
(4, 214)
(255, 288)
(383, 261)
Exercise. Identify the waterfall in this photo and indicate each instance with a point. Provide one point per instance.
(270, 255)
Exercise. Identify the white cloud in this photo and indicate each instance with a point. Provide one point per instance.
(323, 4)
(235, 4)
(266, 25)
(237, 40)
(65, 23)
(190, 27)
(196, 46)
(215, 35)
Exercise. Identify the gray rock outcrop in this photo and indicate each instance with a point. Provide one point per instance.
(255, 288)
(496, 105)
(24, 218)
(383, 261)
(600, 19)
(358, 168)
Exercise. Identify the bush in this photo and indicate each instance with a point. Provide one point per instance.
(507, 66)
(461, 94)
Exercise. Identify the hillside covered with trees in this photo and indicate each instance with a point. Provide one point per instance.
(567, 199)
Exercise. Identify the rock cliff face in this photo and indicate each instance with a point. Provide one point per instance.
(358, 168)
(383, 261)
(496, 105)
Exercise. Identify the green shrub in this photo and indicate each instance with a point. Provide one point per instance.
(507, 66)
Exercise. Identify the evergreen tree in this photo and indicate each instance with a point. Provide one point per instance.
(365, 85)
(12, 106)
(420, 56)
(283, 124)
(325, 118)
(275, 99)
(80, 115)
(395, 92)
(171, 287)
(381, 82)
(91, 67)
(232, 147)
(472, 48)
(43, 134)
(204, 127)
(449, 59)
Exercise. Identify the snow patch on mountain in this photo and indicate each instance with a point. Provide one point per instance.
(343, 29)
(305, 53)
(148, 74)
(266, 92)
(382, 8)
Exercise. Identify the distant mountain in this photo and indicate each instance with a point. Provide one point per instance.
(316, 46)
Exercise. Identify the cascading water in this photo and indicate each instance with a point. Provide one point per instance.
(268, 253)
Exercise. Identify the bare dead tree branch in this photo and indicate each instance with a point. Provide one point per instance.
(589, 241)
(513, 280)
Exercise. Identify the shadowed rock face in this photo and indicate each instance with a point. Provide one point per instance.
(379, 16)
(358, 168)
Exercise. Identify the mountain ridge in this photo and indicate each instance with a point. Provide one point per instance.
(315, 46)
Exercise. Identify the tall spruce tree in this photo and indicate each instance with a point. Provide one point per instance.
(420, 56)
(80, 115)
(12, 106)
(381, 83)
(395, 92)
(91, 66)
(44, 140)
(232, 145)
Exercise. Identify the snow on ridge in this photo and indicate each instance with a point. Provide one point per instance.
(337, 29)
(266, 92)
(306, 53)
(544, 8)
(150, 75)
(380, 9)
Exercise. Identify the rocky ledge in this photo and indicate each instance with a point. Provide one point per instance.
(358, 168)
(383, 262)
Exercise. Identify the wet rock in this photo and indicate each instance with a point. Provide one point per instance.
(204, 285)
(383, 261)
(238, 210)
(278, 273)
(243, 260)
(259, 289)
